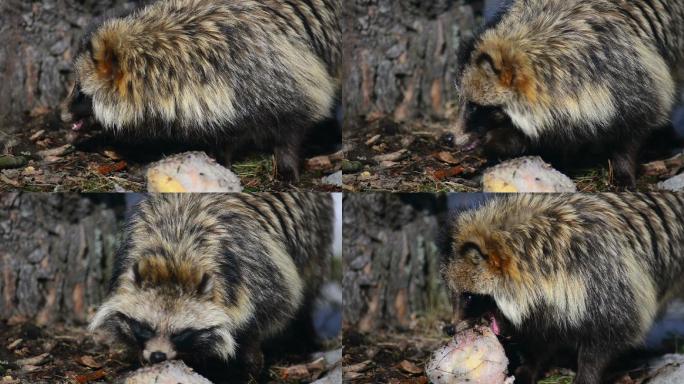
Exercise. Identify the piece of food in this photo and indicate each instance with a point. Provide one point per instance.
(473, 356)
(526, 174)
(191, 172)
(170, 372)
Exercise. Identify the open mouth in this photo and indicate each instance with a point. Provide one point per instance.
(476, 309)
(493, 324)
(78, 125)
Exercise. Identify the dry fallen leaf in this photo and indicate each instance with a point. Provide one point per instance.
(88, 377)
(445, 157)
(294, 372)
(442, 174)
(358, 367)
(111, 168)
(36, 136)
(89, 362)
(35, 360)
(14, 344)
(111, 154)
(319, 163)
(414, 380)
(59, 151)
(316, 365)
(409, 367)
(352, 375)
(372, 140)
(394, 156)
(9, 181)
(39, 111)
(664, 168)
(337, 156)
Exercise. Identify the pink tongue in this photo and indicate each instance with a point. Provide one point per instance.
(494, 325)
(77, 125)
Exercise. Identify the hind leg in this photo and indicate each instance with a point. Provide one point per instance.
(288, 159)
(591, 362)
(624, 163)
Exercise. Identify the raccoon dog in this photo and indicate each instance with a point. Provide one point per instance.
(554, 77)
(222, 73)
(207, 278)
(578, 271)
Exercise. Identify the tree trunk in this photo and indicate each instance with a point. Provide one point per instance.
(39, 41)
(391, 259)
(56, 255)
(401, 57)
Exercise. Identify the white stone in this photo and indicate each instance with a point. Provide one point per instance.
(668, 369)
(675, 183)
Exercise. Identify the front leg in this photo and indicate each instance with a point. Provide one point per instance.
(505, 143)
(591, 363)
(251, 358)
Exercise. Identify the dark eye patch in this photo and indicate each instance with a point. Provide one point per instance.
(483, 118)
(472, 251)
(485, 58)
(141, 331)
(469, 247)
(191, 339)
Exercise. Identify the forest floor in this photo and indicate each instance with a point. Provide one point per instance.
(421, 157)
(61, 354)
(400, 357)
(45, 156)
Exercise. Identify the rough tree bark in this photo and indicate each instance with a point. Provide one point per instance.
(56, 253)
(39, 40)
(401, 57)
(391, 259)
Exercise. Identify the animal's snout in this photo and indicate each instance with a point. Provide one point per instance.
(157, 357)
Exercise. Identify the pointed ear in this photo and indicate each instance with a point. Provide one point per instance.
(106, 58)
(486, 62)
(499, 64)
(510, 65)
(206, 285)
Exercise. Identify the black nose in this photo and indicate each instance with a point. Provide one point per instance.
(449, 329)
(157, 357)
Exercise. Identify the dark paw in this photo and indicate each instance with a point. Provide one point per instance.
(287, 174)
(287, 167)
(525, 375)
(624, 178)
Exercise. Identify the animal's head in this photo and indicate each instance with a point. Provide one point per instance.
(104, 87)
(479, 266)
(168, 310)
(497, 87)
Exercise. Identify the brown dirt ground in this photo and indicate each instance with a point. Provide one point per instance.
(75, 357)
(431, 163)
(92, 164)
